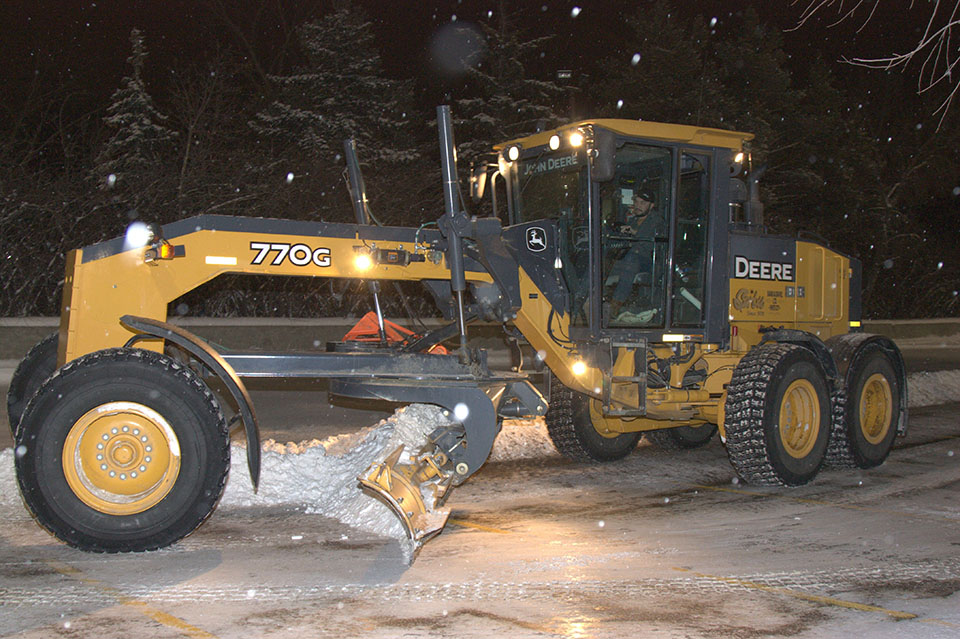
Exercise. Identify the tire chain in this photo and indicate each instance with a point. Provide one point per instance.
(839, 451)
(560, 424)
(746, 395)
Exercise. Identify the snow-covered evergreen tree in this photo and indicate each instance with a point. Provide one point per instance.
(132, 154)
(504, 101)
(340, 91)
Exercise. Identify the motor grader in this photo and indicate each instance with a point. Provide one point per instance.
(685, 322)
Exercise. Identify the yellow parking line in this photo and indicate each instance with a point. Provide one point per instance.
(159, 616)
(820, 502)
(467, 524)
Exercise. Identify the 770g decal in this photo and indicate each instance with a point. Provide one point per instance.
(298, 254)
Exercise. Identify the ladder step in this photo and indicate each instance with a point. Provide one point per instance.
(609, 379)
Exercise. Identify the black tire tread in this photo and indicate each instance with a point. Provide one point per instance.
(840, 453)
(169, 367)
(562, 427)
(744, 414)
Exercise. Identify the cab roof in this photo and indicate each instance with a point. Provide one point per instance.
(682, 133)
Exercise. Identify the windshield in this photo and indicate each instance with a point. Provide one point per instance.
(548, 186)
(553, 186)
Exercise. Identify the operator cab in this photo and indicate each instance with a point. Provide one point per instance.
(639, 212)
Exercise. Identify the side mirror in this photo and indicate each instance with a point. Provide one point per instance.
(478, 181)
(604, 150)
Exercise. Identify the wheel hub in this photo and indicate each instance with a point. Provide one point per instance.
(799, 418)
(608, 427)
(121, 458)
(876, 408)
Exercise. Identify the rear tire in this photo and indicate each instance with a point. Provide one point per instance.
(777, 416)
(863, 436)
(570, 424)
(681, 437)
(32, 371)
(122, 450)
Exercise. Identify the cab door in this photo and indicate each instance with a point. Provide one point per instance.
(688, 275)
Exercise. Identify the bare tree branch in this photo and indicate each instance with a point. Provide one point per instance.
(938, 47)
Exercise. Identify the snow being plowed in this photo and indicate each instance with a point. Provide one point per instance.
(321, 476)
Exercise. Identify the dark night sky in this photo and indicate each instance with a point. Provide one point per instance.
(85, 44)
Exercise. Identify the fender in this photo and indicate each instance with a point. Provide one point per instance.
(812, 343)
(150, 328)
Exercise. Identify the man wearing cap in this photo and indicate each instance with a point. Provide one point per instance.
(640, 226)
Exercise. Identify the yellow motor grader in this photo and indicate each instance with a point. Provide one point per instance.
(634, 265)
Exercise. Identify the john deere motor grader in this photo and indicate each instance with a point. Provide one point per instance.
(634, 265)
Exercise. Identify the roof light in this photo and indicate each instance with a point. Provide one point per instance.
(513, 153)
(554, 142)
(738, 158)
(576, 139)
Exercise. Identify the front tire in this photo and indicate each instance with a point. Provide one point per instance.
(572, 421)
(778, 416)
(122, 450)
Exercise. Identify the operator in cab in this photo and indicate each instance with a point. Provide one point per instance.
(640, 224)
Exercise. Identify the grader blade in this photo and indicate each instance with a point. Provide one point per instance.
(413, 490)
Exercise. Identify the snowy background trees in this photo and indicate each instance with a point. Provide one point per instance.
(243, 110)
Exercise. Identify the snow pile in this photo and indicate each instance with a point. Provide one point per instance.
(929, 389)
(522, 439)
(322, 476)
(9, 491)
